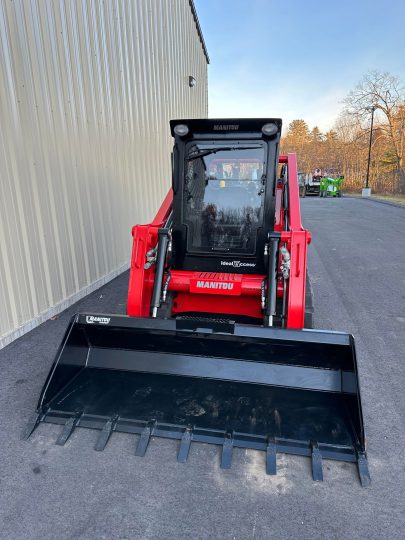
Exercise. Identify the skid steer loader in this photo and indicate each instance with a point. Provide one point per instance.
(213, 348)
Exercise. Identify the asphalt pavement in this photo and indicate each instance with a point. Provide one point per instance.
(357, 268)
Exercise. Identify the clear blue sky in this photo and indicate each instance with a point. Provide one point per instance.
(298, 58)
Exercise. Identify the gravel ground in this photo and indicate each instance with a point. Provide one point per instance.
(357, 267)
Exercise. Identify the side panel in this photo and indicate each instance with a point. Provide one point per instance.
(297, 240)
(141, 279)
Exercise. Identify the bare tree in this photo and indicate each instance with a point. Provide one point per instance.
(344, 149)
(386, 93)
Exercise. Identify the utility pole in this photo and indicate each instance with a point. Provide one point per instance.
(366, 192)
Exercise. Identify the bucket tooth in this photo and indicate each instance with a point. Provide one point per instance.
(185, 445)
(362, 467)
(67, 430)
(105, 434)
(317, 473)
(31, 426)
(144, 439)
(271, 457)
(227, 449)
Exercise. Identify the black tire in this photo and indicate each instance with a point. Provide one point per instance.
(309, 304)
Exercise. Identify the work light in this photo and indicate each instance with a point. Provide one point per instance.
(181, 130)
(269, 129)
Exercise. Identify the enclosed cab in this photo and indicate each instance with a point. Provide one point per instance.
(224, 177)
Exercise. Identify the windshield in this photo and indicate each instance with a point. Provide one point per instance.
(223, 196)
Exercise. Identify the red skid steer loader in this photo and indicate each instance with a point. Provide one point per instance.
(213, 348)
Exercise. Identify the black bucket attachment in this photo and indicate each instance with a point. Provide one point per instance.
(212, 381)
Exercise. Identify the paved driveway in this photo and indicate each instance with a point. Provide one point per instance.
(357, 264)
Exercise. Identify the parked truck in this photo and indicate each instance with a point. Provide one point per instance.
(313, 183)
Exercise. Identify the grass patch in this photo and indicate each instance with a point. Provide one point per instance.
(397, 199)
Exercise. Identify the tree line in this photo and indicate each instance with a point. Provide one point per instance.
(344, 148)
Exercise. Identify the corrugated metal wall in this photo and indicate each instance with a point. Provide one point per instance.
(87, 88)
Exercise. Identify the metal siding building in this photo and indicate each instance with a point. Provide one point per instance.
(87, 88)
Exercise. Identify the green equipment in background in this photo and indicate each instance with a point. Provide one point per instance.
(331, 187)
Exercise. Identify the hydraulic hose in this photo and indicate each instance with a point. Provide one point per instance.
(272, 278)
(160, 267)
